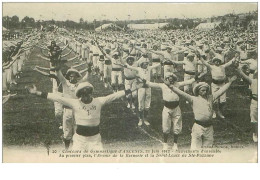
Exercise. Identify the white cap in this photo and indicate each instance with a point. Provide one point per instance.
(198, 86)
(169, 74)
(71, 70)
(82, 86)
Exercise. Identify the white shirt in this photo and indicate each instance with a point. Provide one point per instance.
(168, 94)
(188, 65)
(254, 87)
(202, 108)
(86, 114)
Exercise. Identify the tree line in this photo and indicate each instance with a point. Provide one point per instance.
(14, 22)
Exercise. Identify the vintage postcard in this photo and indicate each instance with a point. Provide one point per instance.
(130, 82)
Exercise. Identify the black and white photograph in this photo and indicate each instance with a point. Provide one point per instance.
(130, 82)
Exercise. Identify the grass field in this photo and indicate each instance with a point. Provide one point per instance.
(30, 121)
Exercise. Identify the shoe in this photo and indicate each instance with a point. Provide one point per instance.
(255, 138)
(187, 102)
(146, 123)
(165, 146)
(214, 115)
(175, 147)
(140, 122)
(105, 85)
(220, 115)
(128, 106)
(133, 106)
(14, 82)
(60, 127)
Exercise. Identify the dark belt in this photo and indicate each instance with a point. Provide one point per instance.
(171, 104)
(129, 78)
(116, 69)
(204, 124)
(251, 71)
(254, 97)
(87, 130)
(168, 63)
(156, 60)
(189, 72)
(90, 51)
(132, 54)
(218, 81)
(108, 62)
(95, 55)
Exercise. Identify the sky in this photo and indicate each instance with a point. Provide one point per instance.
(120, 11)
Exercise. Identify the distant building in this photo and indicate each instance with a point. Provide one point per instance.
(108, 26)
(208, 26)
(147, 26)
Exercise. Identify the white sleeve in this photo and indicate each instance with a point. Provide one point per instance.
(111, 97)
(154, 85)
(63, 100)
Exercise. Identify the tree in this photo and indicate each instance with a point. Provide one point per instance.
(28, 22)
(81, 20)
(14, 22)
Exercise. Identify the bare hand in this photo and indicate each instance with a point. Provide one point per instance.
(31, 90)
(167, 82)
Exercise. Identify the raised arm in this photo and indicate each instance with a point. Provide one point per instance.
(205, 63)
(67, 53)
(223, 89)
(63, 48)
(181, 93)
(131, 67)
(60, 76)
(244, 75)
(231, 61)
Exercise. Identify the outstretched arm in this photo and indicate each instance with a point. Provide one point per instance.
(51, 96)
(71, 59)
(41, 72)
(67, 53)
(153, 85)
(44, 58)
(43, 68)
(63, 48)
(184, 83)
(155, 66)
(76, 66)
(111, 97)
(223, 89)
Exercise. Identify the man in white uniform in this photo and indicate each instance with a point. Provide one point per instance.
(171, 111)
(86, 111)
(202, 102)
